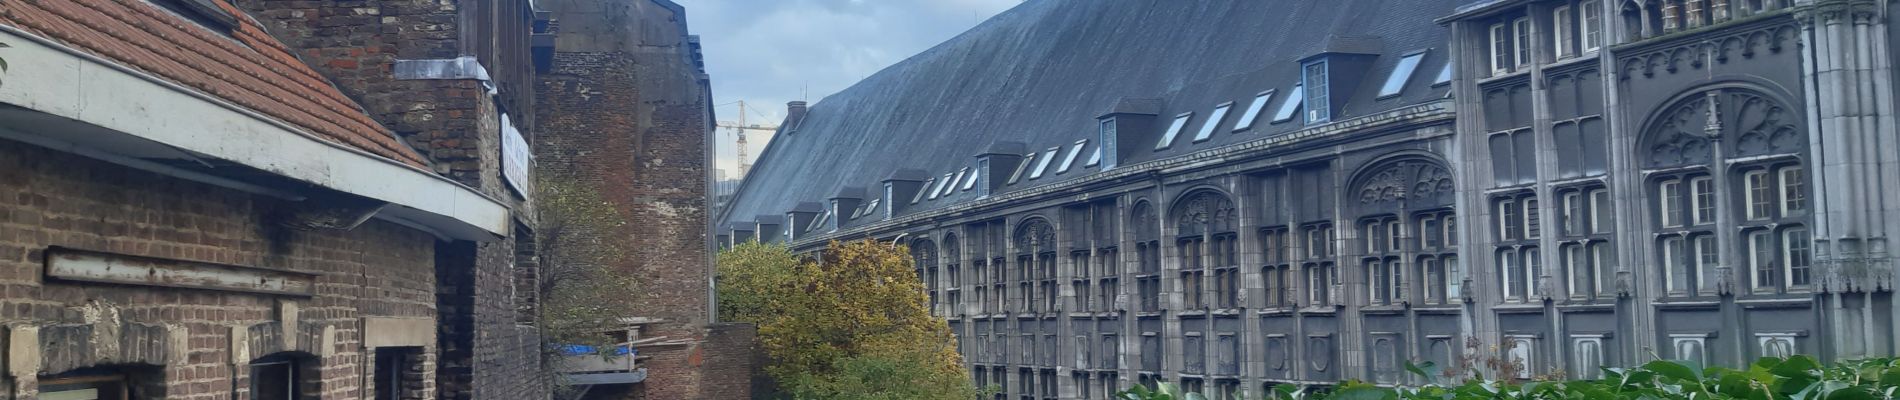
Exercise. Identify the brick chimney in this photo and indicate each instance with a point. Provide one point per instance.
(794, 113)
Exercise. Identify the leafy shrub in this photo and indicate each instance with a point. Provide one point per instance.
(850, 325)
(1793, 378)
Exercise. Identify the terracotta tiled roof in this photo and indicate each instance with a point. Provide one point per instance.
(249, 68)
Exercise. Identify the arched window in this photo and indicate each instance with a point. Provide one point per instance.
(1730, 154)
(1406, 228)
(1206, 240)
(1035, 265)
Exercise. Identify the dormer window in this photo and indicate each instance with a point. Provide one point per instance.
(1253, 111)
(1213, 120)
(1291, 106)
(1313, 78)
(1074, 151)
(1043, 164)
(1174, 129)
(1401, 74)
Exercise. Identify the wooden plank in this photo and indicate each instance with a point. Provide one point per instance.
(100, 267)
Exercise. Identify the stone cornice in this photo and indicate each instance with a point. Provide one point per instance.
(1436, 111)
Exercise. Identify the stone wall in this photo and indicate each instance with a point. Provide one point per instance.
(191, 343)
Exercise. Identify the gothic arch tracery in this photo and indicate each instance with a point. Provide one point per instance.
(1204, 212)
(1750, 122)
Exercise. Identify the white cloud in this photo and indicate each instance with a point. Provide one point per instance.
(769, 52)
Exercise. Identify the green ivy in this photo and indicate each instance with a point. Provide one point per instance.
(1793, 378)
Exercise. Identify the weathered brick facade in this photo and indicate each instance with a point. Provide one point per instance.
(630, 117)
(450, 116)
(184, 343)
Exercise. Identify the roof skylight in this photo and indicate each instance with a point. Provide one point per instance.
(1167, 139)
(1213, 119)
(940, 184)
(1069, 160)
(949, 185)
(1018, 175)
(1095, 159)
(1444, 75)
(969, 182)
(1253, 111)
(1043, 165)
(1401, 74)
(1291, 106)
(922, 190)
(820, 222)
(869, 209)
(959, 178)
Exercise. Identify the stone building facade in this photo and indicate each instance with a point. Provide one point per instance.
(1233, 195)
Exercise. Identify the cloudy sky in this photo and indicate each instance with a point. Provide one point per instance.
(768, 52)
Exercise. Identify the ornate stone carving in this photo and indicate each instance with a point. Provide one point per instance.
(1205, 211)
(1404, 180)
(1756, 124)
(1722, 49)
(1035, 234)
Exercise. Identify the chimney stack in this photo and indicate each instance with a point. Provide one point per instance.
(794, 113)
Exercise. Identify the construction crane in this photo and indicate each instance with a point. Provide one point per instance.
(738, 129)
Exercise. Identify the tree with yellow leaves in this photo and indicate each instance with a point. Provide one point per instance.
(852, 324)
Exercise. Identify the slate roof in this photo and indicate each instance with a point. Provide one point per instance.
(248, 68)
(1043, 71)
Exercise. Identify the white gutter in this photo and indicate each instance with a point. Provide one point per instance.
(51, 78)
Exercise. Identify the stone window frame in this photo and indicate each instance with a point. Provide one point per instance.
(1318, 270)
(1383, 265)
(1276, 274)
(1585, 242)
(1148, 253)
(1521, 275)
(1436, 264)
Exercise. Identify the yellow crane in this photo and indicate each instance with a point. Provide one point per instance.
(738, 129)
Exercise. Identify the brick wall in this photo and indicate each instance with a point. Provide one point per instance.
(486, 352)
(200, 341)
(630, 117)
(356, 45)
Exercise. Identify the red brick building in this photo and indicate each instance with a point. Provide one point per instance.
(626, 108)
(290, 199)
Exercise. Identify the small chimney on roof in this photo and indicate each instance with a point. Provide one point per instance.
(794, 113)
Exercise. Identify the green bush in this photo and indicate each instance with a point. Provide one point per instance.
(1793, 378)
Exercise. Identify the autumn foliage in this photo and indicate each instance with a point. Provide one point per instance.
(851, 324)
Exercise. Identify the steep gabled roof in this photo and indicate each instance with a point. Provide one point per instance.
(1041, 73)
(248, 68)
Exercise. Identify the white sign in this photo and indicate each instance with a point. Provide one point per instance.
(516, 158)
